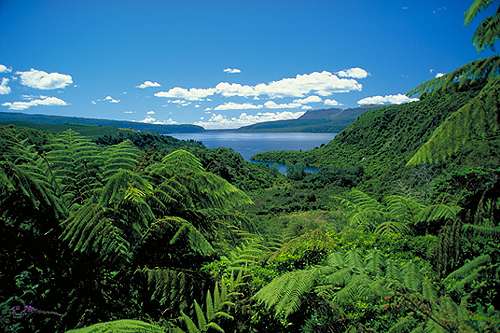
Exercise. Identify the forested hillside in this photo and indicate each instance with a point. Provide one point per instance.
(17, 118)
(383, 140)
(132, 232)
(313, 121)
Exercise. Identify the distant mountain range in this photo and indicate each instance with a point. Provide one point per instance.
(9, 117)
(314, 121)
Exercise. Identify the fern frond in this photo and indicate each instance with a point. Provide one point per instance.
(120, 326)
(192, 328)
(412, 277)
(123, 156)
(375, 263)
(353, 288)
(315, 240)
(195, 239)
(467, 273)
(488, 32)
(475, 70)
(429, 291)
(393, 227)
(354, 261)
(403, 325)
(437, 212)
(479, 117)
(483, 230)
(285, 293)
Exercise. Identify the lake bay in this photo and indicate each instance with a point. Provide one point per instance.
(249, 144)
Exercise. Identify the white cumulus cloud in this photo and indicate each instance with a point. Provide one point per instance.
(111, 99)
(4, 89)
(235, 89)
(332, 102)
(387, 99)
(232, 70)
(356, 72)
(151, 120)
(47, 101)
(322, 84)
(193, 94)
(310, 99)
(273, 105)
(218, 121)
(4, 69)
(148, 84)
(439, 75)
(44, 81)
(151, 112)
(236, 106)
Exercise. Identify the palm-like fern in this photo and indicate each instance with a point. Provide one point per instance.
(344, 278)
(480, 117)
(23, 187)
(400, 215)
(488, 31)
(72, 165)
(123, 156)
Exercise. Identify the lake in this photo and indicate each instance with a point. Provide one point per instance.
(249, 144)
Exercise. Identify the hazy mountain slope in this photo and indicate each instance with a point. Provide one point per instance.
(10, 117)
(325, 120)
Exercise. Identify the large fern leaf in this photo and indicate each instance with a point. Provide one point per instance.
(479, 118)
(120, 326)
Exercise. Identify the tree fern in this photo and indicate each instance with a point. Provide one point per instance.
(398, 216)
(315, 240)
(123, 156)
(488, 31)
(23, 186)
(285, 293)
(172, 287)
(72, 163)
(118, 218)
(345, 278)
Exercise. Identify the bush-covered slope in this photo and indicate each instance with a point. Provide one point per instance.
(383, 140)
(315, 121)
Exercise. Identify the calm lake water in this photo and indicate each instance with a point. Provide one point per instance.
(249, 144)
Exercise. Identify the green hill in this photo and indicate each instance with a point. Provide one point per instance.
(9, 118)
(383, 140)
(314, 121)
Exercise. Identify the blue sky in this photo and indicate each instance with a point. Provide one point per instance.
(222, 64)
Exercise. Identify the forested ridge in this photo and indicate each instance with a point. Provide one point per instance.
(133, 232)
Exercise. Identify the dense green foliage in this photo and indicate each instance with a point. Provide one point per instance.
(135, 232)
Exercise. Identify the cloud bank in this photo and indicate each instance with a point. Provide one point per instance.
(47, 101)
(322, 84)
(387, 99)
(218, 121)
(151, 120)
